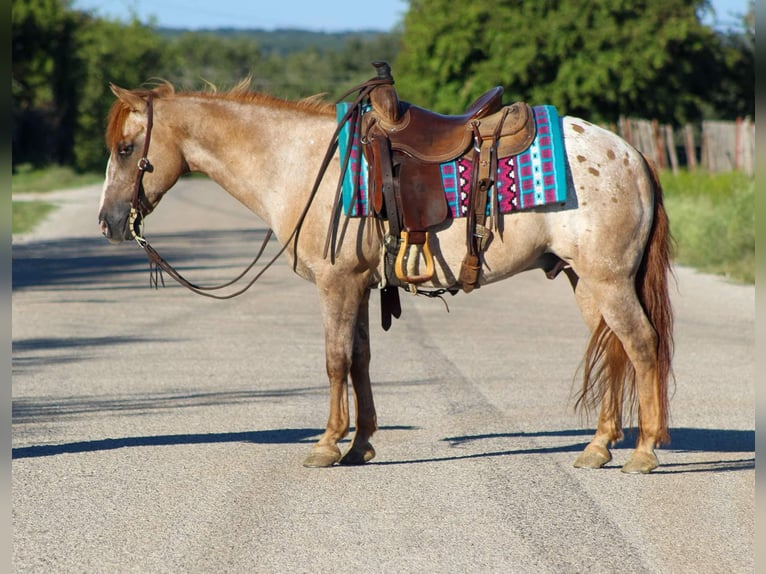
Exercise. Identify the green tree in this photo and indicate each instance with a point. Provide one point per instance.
(108, 51)
(220, 60)
(42, 117)
(63, 61)
(596, 59)
(734, 95)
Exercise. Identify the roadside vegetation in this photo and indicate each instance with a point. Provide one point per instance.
(712, 218)
(27, 179)
(27, 214)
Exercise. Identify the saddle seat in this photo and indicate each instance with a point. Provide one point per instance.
(433, 137)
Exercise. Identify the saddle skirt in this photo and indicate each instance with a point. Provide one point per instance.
(532, 178)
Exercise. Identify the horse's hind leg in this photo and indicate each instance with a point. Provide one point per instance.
(609, 430)
(361, 450)
(625, 318)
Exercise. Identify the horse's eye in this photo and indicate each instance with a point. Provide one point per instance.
(125, 149)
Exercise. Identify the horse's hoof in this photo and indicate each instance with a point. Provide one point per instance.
(322, 457)
(358, 455)
(593, 457)
(641, 463)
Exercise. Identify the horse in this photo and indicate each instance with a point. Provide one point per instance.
(612, 240)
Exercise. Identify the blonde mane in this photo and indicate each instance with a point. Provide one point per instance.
(241, 92)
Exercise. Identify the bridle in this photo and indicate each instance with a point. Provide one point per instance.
(156, 262)
(143, 166)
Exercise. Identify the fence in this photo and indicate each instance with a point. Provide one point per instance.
(715, 145)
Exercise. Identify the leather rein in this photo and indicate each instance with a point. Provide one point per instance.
(157, 264)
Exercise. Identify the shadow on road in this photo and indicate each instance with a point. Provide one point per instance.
(92, 262)
(272, 436)
(684, 440)
(44, 410)
(697, 440)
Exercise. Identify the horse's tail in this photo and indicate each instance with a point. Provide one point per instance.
(606, 365)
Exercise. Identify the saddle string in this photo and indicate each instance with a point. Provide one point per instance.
(495, 201)
(353, 117)
(335, 212)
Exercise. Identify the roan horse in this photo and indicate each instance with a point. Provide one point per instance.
(612, 235)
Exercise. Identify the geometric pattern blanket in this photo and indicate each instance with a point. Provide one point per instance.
(533, 178)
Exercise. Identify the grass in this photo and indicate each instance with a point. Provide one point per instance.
(712, 218)
(26, 179)
(26, 215)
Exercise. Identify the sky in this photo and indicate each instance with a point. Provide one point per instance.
(314, 15)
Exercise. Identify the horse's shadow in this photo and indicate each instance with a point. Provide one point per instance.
(685, 440)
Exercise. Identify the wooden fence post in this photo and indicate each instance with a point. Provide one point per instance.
(671, 144)
(659, 145)
(691, 150)
(724, 145)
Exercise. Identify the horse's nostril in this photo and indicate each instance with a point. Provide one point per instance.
(104, 228)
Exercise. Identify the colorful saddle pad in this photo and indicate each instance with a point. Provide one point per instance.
(530, 179)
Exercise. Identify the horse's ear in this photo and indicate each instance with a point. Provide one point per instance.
(132, 99)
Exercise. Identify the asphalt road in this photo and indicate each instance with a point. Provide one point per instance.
(158, 431)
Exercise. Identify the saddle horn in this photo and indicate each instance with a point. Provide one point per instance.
(383, 98)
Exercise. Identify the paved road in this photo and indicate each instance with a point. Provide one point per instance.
(157, 431)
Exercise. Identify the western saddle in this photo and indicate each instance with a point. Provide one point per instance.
(404, 146)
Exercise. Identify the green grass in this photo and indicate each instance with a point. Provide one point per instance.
(712, 218)
(25, 215)
(27, 179)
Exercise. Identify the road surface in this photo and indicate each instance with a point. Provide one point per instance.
(158, 431)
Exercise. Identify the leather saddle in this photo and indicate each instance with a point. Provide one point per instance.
(405, 145)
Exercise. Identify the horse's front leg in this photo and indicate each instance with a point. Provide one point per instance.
(361, 450)
(340, 301)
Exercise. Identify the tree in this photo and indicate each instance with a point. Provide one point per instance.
(42, 36)
(598, 59)
(63, 61)
(107, 52)
(217, 59)
(735, 93)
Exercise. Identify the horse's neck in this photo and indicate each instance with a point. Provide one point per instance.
(266, 157)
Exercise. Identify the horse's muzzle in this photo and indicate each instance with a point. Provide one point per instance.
(115, 225)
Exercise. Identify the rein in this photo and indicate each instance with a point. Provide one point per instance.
(157, 264)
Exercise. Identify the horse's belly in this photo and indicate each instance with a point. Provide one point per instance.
(515, 247)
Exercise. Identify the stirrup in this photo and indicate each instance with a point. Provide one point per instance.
(399, 267)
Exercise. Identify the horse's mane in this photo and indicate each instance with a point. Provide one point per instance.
(241, 92)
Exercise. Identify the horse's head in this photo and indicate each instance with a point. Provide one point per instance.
(145, 161)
